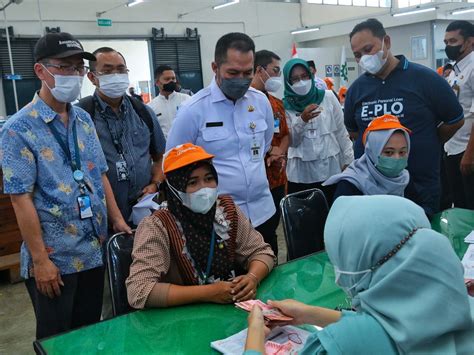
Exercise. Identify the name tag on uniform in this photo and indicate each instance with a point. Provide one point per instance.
(312, 133)
(276, 125)
(214, 124)
(85, 208)
(255, 150)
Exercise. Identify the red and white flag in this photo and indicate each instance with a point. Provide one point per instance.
(294, 53)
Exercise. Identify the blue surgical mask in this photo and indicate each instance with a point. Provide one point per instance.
(113, 85)
(66, 87)
(235, 88)
(391, 167)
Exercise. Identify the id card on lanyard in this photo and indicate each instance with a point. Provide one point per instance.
(83, 200)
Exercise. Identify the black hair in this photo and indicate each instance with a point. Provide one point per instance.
(234, 40)
(311, 64)
(263, 58)
(93, 64)
(466, 29)
(160, 69)
(373, 25)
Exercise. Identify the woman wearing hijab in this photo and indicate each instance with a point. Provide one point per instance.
(381, 169)
(404, 279)
(196, 247)
(320, 146)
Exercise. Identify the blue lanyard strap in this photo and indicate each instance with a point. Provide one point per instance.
(76, 163)
(211, 256)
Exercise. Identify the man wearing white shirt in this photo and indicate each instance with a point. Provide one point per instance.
(459, 39)
(234, 123)
(167, 103)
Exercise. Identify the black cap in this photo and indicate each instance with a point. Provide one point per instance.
(59, 45)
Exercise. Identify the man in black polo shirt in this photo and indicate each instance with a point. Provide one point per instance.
(422, 100)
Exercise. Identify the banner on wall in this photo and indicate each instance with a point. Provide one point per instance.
(343, 72)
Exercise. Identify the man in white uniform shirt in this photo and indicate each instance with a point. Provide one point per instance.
(167, 103)
(234, 122)
(459, 39)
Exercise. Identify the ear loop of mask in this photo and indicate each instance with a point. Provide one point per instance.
(174, 190)
(340, 272)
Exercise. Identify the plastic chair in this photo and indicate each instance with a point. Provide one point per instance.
(304, 215)
(119, 259)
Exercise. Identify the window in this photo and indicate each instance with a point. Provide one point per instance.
(408, 3)
(371, 3)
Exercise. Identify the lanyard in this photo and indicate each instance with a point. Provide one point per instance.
(76, 163)
(116, 139)
(210, 257)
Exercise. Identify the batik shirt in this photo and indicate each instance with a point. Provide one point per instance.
(33, 162)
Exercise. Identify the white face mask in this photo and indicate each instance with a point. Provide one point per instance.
(66, 87)
(373, 63)
(200, 201)
(113, 85)
(273, 83)
(344, 285)
(302, 87)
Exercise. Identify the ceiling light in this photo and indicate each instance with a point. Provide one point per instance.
(462, 11)
(414, 12)
(134, 2)
(304, 30)
(233, 2)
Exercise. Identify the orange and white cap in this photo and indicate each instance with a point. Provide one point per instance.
(183, 155)
(383, 123)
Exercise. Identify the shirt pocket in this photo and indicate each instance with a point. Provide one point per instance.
(211, 134)
(321, 144)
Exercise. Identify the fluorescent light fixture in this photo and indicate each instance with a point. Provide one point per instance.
(304, 30)
(233, 2)
(462, 11)
(134, 2)
(414, 12)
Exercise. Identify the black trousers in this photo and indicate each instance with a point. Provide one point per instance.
(80, 303)
(461, 186)
(269, 227)
(327, 190)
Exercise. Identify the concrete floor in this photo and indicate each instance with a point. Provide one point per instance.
(17, 319)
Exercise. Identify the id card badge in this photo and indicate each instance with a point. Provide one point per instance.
(255, 150)
(312, 133)
(85, 208)
(122, 170)
(276, 125)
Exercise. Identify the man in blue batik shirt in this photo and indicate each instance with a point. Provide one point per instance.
(54, 170)
(417, 95)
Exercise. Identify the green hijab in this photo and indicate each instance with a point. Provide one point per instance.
(293, 101)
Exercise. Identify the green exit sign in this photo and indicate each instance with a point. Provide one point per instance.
(104, 22)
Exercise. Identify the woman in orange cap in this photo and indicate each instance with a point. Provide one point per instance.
(381, 169)
(198, 247)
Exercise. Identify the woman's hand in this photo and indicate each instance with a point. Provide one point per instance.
(244, 288)
(257, 330)
(221, 292)
(297, 310)
(310, 112)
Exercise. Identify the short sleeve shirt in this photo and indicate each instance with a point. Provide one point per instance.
(137, 142)
(276, 177)
(422, 100)
(33, 162)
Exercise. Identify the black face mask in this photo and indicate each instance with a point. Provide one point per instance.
(453, 52)
(170, 87)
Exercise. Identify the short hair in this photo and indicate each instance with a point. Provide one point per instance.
(373, 25)
(160, 69)
(311, 64)
(234, 40)
(466, 28)
(93, 64)
(263, 58)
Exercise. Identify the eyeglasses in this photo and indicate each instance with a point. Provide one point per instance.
(69, 69)
(295, 79)
(113, 71)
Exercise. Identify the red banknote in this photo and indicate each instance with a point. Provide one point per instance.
(270, 313)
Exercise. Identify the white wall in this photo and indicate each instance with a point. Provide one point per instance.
(268, 23)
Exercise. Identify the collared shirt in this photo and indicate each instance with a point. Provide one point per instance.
(136, 141)
(422, 100)
(165, 109)
(275, 176)
(33, 162)
(461, 79)
(228, 131)
(320, 147)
